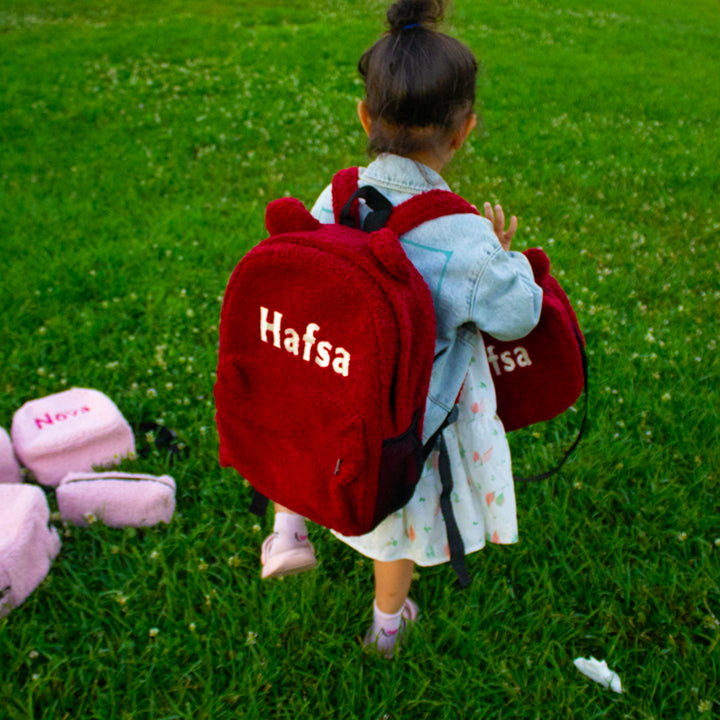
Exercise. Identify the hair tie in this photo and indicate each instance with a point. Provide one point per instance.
(411, 26)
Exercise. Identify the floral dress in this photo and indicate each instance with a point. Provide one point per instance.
(483, 495)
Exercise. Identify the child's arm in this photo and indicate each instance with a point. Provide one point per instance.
(497, 218)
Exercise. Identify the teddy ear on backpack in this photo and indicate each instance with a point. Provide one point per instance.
(288, 215)
(539, 262)
(386, 247)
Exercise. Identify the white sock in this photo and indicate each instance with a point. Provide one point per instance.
(290, 526)
(385, 630)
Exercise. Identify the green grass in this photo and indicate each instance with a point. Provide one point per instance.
(139, 143)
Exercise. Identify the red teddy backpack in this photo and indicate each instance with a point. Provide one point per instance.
(327, 335)
(541, 375)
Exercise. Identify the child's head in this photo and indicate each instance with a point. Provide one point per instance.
(419, 83)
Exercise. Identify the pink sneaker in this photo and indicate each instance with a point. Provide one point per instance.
(384, 641)
(281, 556)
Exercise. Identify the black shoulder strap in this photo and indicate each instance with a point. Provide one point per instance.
(381, 209)
(258, 504)
(581, 429)
(455, 541)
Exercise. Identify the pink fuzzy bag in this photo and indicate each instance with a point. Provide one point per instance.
(116, 499)
(9, 468)
(27, 544)
(72, 431)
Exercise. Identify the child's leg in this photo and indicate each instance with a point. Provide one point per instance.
(393, 610)
(392, 584)
(287, 550)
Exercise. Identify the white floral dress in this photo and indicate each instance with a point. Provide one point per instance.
(483, 496)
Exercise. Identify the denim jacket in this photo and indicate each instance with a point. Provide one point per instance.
(473, 281)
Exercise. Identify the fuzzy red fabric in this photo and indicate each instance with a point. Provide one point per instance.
(327, 337)
(541, 375)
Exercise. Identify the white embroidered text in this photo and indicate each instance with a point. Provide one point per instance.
(306, 346)
(510, 359)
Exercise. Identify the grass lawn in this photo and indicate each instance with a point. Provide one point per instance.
(139, 144)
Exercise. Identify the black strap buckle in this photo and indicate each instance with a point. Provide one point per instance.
(381, 209)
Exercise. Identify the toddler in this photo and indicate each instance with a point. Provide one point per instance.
(417, 112)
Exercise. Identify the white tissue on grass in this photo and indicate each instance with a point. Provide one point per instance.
(599, 672)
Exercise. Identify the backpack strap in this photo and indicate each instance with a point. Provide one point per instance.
(344, 184)
(427, 206)
(408, 215)
(581, 429)
(456, 545)
(455, 541)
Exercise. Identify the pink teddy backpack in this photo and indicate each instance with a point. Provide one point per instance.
(9, 467)
(72, 431)
(27, 544)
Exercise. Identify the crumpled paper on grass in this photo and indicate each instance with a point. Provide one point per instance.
(599, 672)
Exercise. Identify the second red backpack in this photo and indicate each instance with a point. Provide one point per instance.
(327, 336)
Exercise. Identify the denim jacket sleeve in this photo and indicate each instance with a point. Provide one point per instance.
(472, 279)
(506, 301)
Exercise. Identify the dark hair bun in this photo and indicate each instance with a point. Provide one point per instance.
(427, 13)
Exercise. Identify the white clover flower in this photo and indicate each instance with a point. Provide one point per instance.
(153, 632)
(711, 622)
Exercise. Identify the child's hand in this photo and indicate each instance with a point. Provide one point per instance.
(497, 218)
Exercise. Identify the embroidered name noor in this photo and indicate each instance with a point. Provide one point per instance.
(517, 357)
(324, 354)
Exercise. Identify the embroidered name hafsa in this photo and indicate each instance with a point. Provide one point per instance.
(509, 363)
(291, 342)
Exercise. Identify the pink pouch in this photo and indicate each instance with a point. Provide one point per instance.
(73, 431)
(116, 499)
(27, 544)
(9, 468)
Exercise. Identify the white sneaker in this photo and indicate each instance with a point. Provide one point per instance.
(281, 556)
(385, 641)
